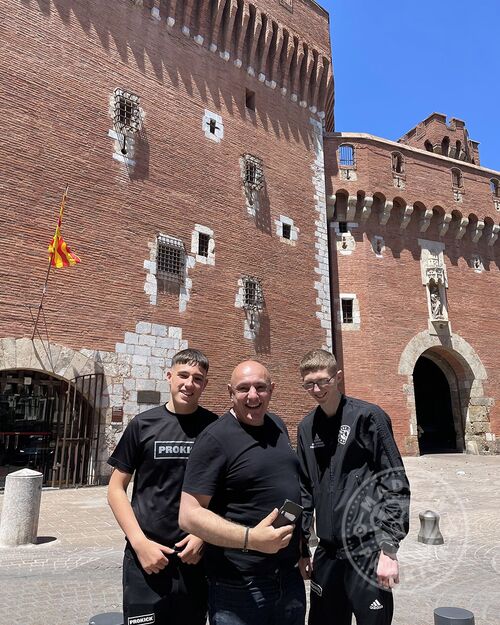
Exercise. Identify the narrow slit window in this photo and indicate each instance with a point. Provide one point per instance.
(250, 99)
(203, 243)
(397, 163)
(287, 231)
(347, 311)
(456, 177)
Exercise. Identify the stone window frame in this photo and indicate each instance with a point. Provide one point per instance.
(253, 172)
(294, 231)
(398, 163)
(398, 168)
(124, 133)
(213, 120)
(344, 162)
(347, 165)
(253, 310)
(168, 242)
(374, 240)
(195, 240)
(495, 188)
(457, 178)
(356, 316)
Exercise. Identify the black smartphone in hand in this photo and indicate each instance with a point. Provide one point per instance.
(288, 514)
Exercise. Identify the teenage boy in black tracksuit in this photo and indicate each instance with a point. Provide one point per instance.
(162, 580)
(353, 478)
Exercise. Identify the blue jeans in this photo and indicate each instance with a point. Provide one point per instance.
(277, 599)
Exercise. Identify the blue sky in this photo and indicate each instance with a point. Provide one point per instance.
(396, 62)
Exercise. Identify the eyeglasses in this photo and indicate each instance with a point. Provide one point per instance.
(308, 386)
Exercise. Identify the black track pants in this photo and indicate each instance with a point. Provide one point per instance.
(341, 588)
(175, 596)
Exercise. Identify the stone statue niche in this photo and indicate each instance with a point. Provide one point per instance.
(436, 302)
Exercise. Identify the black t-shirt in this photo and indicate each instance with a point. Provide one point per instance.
(248, 471)
(156, 445)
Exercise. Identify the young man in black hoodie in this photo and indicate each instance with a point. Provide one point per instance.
(163, 581)
(353, 479)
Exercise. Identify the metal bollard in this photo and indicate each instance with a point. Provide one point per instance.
(21, 508)
(453, 616)
(430, 533)
(107, 618)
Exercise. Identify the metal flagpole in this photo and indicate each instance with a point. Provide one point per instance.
(51, 257)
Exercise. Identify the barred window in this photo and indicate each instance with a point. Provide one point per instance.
(253, 298)
(170, 259)
(254, 172)
(126, 114)
(203, 243)
(346, 156)
(347, 311)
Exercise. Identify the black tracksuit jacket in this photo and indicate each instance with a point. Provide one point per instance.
(352, 477)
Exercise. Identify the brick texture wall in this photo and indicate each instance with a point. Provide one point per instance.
(63, 60)
(392, 298)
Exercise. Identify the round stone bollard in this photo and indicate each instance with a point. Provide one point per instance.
(21, 508)
(453, 616)
(430, 533)
(107, 618)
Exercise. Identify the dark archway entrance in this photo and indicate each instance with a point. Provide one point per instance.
(49, 425)
(435, 421)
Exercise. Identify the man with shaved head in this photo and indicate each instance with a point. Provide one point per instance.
(240, 471)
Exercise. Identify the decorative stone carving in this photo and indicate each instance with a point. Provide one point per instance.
(444, 224)
(348, 174)
(436, 302)
(351, 207)
(478, 231)
(367, 207)
(346, 243)
(407, 213)
(462, 227)
(426, 220)
(477, 263)
(434, 277)
(386, 212)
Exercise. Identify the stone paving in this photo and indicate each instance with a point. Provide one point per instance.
(67, 580)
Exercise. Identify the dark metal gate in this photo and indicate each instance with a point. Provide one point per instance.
(78, 433)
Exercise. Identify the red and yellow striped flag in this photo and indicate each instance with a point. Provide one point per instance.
(60, 254)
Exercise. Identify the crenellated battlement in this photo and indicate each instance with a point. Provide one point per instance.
(448, 138)
(257, 42)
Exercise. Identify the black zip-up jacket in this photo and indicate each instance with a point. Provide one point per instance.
(353, 478)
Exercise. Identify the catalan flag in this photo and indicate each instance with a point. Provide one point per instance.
(60, 254)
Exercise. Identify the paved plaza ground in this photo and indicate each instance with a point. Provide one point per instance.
(64, 582)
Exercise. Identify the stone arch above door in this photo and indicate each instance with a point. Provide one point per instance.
(59, 360)
(471, 375)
